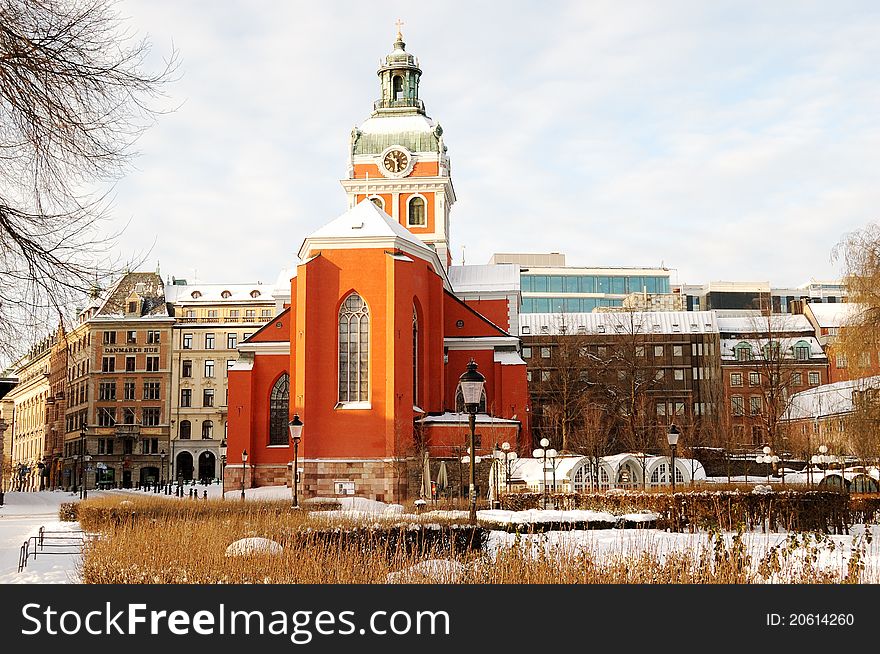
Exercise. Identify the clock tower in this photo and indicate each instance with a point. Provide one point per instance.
(398, 159)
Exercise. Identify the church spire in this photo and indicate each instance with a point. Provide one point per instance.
(399, 81)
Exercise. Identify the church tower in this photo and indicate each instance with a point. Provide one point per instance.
(398, 158)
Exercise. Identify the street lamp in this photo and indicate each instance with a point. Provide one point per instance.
(542, 453)
(83, 493)
(508, 457)
(3, 427)
(223, 469)
(162, 455)
(471, 384)
(296, 427)
(768, 458)
(672, 438)
(244, 457)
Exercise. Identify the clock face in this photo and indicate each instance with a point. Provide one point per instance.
(395, 161)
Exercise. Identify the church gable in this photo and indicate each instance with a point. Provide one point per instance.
(276, 330)
(461, 321)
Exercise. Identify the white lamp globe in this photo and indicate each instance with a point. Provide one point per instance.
(544, 442)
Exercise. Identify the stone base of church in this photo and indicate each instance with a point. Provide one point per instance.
(376, 479)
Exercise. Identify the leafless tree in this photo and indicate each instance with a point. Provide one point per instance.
(74, 96)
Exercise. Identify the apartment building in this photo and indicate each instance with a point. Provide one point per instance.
(210, 321)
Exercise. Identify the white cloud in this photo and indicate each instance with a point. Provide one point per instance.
(730, 141)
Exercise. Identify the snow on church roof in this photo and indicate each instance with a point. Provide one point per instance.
(364, 221)
(488, 278)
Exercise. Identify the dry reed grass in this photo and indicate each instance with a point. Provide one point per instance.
(154, 541)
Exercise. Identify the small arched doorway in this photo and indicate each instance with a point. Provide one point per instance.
(207, 466)
(149, 475)
(185, 466)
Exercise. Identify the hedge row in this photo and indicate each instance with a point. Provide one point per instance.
(789, 510)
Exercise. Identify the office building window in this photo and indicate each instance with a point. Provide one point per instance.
(658, 350)
(185, 432)
(736, 379)
(106, 416)
(755, 405)
(187, 341)
(208, 397)
(128, 416)
(814, 378)
(109, 338)
(545, 352)
(676, 350)
(231, 341)
(128, 390)
(152, 364)
(186, 368)
(107, 390)
(130, 364)
(108, 364)
(186, 397)
(131, 337)
(209, 368)
(151, 390)
(797, 379)
(207, 430)
(527, 353)
(736, 405)
(678, 374)
(754, 379)
(209, 341)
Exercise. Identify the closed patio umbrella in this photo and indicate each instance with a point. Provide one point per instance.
(442, 478)
(425, 491)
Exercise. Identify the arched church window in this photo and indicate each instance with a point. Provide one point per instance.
(279, 410)
(417, 211)
(415, 353)
(378, 201)
(354, 350)
(397, 84)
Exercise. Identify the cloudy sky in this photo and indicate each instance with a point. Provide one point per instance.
(727, 141)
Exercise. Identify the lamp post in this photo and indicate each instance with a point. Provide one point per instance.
(672, 438)
(223, 447)
(768, 458)
(508, 457)
(3, 427)
(471, 383)
(162, 456)
(244, 458)
(541, 453)
(83, 493)
(497, 455)
(296, 427)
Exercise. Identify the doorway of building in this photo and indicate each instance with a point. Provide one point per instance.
(207, 466)
(185, 466)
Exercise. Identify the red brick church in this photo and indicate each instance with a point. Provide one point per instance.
(377, 325)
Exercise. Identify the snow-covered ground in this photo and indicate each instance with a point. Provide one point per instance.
(24, 513)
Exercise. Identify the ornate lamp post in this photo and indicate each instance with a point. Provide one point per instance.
(471, 383)
(543, 454)
(296, 427)
(768, 458)
(223, 469)
(244, 458)
(672, 438)
(3, 427)
(83, 493)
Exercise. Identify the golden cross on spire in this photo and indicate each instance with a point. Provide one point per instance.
(399, 24)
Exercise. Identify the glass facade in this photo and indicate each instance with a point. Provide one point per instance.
(564, 285)
(614, 285)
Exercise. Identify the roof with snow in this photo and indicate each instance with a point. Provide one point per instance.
(647, 322)
(490, 278)
(786, 345)
(757, 324)
(417, 133)
(217, 293)
(147, 286)
(830, 315)
(828, 399)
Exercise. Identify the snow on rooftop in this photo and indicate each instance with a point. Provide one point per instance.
(395, 124)
(779, 322)
(647, 322)
(503, 277)
(828, 399)
(211, 293)
(364, 221)
(728, 346)
(832, 314)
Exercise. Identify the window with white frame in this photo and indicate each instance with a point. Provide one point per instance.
(416, 212)
(354, 350)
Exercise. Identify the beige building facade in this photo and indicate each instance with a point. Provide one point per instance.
(210, 321)
(29, 406)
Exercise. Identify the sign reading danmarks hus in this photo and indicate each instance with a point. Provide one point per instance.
(131, 350)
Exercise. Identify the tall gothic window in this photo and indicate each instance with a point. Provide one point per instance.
(354, 350)
(417, 211)
(279, 410)
(415, 352)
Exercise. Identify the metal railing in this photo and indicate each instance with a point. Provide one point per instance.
(51, 542)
